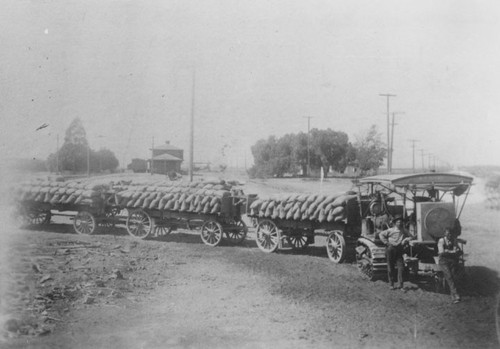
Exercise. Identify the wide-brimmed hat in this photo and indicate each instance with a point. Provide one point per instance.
(396, 218)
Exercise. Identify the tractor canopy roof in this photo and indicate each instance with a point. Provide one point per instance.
(448, 182)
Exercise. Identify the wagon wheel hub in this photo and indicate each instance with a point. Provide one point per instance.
(267, 236)
(336, 247)
(298, 241)
(84, 223)
(211, 233)
(139, 224)
(237, 232)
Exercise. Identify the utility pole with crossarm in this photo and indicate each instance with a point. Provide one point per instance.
(308, 144)
(388, 96)
(413, 141)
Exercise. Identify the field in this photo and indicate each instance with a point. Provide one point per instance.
(65, 290)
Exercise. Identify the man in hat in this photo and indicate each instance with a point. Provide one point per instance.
(395, 238)
(449, 254)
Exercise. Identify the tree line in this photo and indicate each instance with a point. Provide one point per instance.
(325, 149)
(76, 152)
(273, 157)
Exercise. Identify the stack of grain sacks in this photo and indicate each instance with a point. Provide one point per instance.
(198, 197)
(77, 192)
(301, 207)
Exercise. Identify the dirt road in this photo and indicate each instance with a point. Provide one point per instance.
(62, 290)
(110, 291)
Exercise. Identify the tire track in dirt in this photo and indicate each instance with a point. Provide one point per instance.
(181, 293)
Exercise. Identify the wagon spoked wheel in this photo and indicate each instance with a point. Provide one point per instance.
(298, 242)
(162, 229)
(211, 233)
(108, 221)
(39, 217)
(336, 247)
(139, 224)
(84, 223)
(238, 232)
(267, 236)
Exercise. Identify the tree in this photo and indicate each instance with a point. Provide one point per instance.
(76, 152)
(104, 160)
(370, 151)
(263, 152)
(299, 151)
(73, 157)
(283, 159)
(329, 148)
(273, 157)
(75, 133)
(350, 157)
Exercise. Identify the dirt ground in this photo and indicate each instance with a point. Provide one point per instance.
(62, 290)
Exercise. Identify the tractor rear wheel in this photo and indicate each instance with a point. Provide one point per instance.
(364, 263)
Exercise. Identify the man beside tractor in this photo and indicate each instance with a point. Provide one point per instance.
(395, 239)
(449, 253)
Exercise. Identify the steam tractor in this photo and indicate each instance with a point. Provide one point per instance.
(428, 203)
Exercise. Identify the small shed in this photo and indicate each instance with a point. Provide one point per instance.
(166, 158)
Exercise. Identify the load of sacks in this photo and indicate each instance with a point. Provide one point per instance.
(199, 197)
(313, 207)
(78, 192)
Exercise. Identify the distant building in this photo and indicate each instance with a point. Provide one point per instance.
(351, 171)
(166, 158)
(138, 165)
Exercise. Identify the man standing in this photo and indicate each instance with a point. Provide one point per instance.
(395, 238)
(449, 253)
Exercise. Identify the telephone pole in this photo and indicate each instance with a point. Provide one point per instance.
(57, 155)
(88, 159)
(191, 134)
(388, 96)
(392, 134)
(151, 170)
(422, 153)
(413, 141)
(308, 143)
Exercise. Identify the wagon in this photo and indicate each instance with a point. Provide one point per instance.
(274, 230)
(87, 217)
(143, 221)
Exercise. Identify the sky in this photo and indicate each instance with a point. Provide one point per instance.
(135, 71)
